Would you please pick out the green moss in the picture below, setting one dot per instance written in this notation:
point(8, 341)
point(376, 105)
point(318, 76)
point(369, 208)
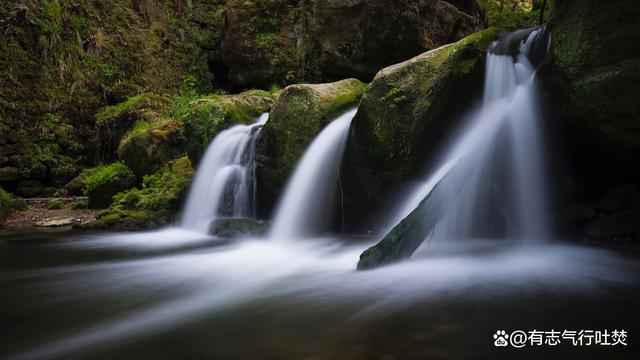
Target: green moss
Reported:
point(298, 115)
point(102, 175)
point(102, 182)
point(79, 204)
point(156, 202)
point(55, 204)
point(5, 205)
point(194, 121)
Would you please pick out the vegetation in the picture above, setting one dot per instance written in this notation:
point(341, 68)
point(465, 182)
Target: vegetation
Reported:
point(5, 205)
point(102, 182)
point(515, 14)
point(155, 202)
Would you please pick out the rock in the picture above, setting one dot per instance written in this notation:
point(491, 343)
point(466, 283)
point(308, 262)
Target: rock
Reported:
point(620, 198)
point(157, 202)
point(146, 149)
point(405, 114)
point(299, 113)
point(235, 227)
point(103, 182)
point(592, 79)
point(55, 222)
point(619, 227)
point(280, 41)
point(29, 188)
point(366, 36)
point(113, 122)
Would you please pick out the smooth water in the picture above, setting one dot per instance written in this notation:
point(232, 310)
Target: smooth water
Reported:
point(139, 296)
point(309, 197)
point(492, 181)
point(227, 168)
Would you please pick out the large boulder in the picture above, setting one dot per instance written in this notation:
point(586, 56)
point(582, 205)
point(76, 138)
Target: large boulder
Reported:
point(150, 145)
point(592, 81)
point(281, 41)
point(405, 114)
point(299, 113)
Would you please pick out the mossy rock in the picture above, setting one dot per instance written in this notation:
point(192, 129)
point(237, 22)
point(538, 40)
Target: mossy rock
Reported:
point(155, 203)
point(405, 115)
point(299, 113)
point(189, 129)
point(103, 182)
point(113, 122)
point(592, 80)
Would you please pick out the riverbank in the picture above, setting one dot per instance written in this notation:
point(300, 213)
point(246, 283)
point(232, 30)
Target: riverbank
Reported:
point(47, 213)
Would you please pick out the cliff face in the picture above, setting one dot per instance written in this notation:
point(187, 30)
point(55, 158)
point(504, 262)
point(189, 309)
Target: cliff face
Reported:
point(62, 62)
point(592, 81)
point(318, 40)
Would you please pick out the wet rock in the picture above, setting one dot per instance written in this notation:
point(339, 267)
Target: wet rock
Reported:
point(405, 114)
point(299, 113)
point(235, 227)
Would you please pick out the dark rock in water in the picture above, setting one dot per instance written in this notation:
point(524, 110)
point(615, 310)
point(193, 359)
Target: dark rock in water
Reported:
point(29, 188)
point(620, 227)
point(620, 198)
point(405, 114)
point(299, 113)
point(405, 237)
point(234, 227)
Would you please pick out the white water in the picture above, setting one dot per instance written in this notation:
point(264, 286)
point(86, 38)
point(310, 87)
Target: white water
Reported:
point(492, 180)
point(228, 167)
point(318, 275)
point(309, 197)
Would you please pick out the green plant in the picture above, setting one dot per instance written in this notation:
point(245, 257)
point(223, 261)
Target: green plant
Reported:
point(55, 204)
point(394, 96)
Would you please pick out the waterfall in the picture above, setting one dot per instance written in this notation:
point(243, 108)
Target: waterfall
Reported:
point(226, 174)
point(491, 182)
point(309, 198)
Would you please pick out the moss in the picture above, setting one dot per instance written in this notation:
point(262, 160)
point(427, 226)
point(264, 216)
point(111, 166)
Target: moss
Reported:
point(194, 121)
point(405, 113)
point(298, 115)
point(102, 182)
point(5, 205)
point(55, 204)
point(156, 202)
point(79, 204)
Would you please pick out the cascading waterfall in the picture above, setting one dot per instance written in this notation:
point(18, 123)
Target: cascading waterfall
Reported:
point(492, 181)
point(227, 170)
point(308, 200)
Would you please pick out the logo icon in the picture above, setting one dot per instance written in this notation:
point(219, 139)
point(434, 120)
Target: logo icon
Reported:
point(500, 338)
